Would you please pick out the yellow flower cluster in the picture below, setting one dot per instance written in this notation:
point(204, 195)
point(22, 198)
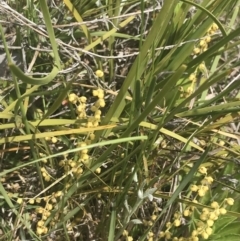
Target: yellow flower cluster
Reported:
point(201, 47)
point(203, 43)
point(46, 211)
point(45, 174)
point(207, 216)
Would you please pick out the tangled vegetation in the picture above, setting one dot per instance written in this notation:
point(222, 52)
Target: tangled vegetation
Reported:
point(119, 120)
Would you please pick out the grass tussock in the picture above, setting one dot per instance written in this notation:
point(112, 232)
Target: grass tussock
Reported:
point(119, 120)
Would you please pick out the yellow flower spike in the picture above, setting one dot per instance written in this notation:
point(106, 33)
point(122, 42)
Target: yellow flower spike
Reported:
point(99, 73)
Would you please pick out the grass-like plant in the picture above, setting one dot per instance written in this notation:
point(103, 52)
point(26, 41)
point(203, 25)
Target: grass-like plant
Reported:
point(123, 122)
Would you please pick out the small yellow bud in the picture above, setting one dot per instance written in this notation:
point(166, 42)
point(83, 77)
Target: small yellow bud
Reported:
point(39, 230)
point(98, 170)
point(201, 192)
point(192, 77)
point(202, 67)
point(208, 230)
point(95, 92)
point(47, 178)
point(177, 223)
point(99, 73)
point(83, 99)
point(72, 97)
point(230, 201)
point(101, 102)
point(186, 213)
point(154, 217)
point(80, 108)
point(204, 235)
point(207, 39)
point(214, 27)
point(223, 211)
point(100, 95)
point(214, 204)
point(210, 222)
point(196, 50)
point(168, 224)
point(94, 108)
point(202, 43)
point(31, 201)
point(54, 140)
point(194, 188)
point(194, 233)
point(161, 234)
point(19, 200)
point(40, 223)
point(202, 170)
point(58, 194)
point(92, 136)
